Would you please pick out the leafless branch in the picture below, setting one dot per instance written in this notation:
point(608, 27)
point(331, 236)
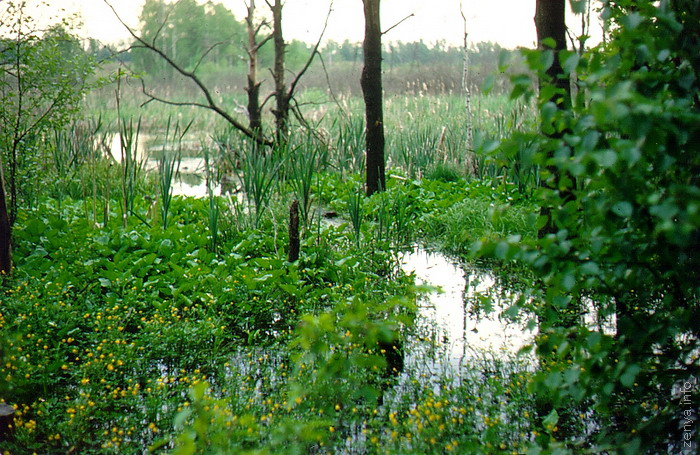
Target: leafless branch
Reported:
point(160, 29)
point(262, 43)
point(292, 86)
point(211, 48)
point(211, 103)
point(152, 97)
point(397, 24)
point(330, 88)
point(267, 98)
point(296, 109)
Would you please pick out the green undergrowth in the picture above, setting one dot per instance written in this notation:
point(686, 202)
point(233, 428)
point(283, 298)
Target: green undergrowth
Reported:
point(121, 338)
point(109, 327)
point(455, 216)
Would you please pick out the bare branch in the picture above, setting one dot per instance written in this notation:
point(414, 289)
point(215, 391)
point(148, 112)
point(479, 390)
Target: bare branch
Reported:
point(262, 43)
point(292, 86)
point(211, 104)
point(162, 25)
point(267, 98)
point(398, 23)
point(261, 25)
point(152, 97)
point(330, 88)
point(211, 48)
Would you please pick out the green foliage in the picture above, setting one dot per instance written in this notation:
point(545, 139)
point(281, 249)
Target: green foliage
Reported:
point(258, 174)
point(109, 327)
point(190, 33)
point(43, 78)
point(623, 192)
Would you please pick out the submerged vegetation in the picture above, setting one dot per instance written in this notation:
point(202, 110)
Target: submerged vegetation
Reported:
point(139, 319)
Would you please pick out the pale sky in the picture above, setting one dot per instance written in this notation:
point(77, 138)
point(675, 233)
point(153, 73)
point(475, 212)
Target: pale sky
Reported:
point(507, 22)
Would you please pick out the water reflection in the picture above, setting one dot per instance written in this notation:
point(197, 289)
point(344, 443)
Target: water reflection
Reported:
point(189, 180)
point(447, 317)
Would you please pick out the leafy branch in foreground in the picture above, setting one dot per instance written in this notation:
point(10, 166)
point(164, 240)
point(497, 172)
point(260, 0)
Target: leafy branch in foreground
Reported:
point(624, 232)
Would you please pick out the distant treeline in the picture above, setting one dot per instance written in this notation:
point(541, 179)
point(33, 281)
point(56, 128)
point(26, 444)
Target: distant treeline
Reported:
point(208, 38)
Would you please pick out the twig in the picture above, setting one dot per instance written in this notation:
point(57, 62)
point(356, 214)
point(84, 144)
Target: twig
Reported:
point(294, 83)
point(330, 88)
point(398, 23)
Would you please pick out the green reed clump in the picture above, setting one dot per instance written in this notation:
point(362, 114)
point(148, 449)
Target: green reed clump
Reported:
point(349, 143)
point(258, 172)
point(168, 165)
point(355, 206)
point(131, 163)
point(302, 164)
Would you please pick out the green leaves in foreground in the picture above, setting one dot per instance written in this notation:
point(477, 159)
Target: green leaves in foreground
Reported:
point(617, 287)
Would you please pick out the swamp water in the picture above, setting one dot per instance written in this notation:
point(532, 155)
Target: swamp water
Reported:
point(446, 316)
point(450, 336)
point(191, 170)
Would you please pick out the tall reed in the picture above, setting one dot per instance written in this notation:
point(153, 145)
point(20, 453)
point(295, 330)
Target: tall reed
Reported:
point(302, 164)
point(258, 173)
point(355, 205)
point(169, 164)
point(213, 211)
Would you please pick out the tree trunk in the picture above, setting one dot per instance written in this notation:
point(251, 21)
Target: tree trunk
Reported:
point(253, 89)
point(281, 111)
point(550, 21)
point(294, 231)
point(5, 231)
point(551, 24)
point(371, 82)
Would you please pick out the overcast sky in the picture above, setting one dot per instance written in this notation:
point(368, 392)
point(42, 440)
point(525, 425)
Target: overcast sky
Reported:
point(507, 22)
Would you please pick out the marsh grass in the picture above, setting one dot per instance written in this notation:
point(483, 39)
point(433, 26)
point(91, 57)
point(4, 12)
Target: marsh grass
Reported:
point(131, 163)
point(355, 207)
point(302, 164)
point(258, 172)
point(169, 164)
point(213, 212)
point(74, 153)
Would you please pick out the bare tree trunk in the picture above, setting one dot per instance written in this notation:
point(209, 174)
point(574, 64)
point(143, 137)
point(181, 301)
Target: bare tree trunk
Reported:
point(551, 24)
point(282, 98)
point(294, 231)
point(371, 82)
point(550, 21)
point(253, 89)
point(5, 230)
point(472, 165)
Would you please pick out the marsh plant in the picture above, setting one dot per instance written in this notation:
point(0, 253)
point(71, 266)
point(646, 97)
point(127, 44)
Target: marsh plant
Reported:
point(258, 172)
point(131, 163)
point(213, 212)
point(169, 164)
point(349, 144)
point(355, 206)
point(75, 150)
point(303, 163)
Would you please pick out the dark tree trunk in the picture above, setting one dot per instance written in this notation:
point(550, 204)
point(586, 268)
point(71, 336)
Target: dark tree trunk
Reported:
point(551, 24)
point(253, 89)
point(550, 21)
point(371, 82)
point(5, 231)
point(7, 415)
point(294, 231)
point(281, 110)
